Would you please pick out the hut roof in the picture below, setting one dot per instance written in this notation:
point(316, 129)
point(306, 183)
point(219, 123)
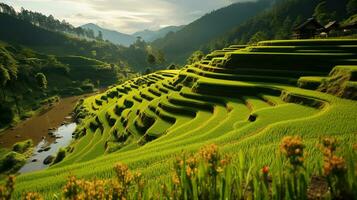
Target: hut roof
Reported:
point(311, 22)
point(331, 25)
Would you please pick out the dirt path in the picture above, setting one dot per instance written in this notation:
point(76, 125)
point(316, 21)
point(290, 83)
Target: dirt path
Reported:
point(37, 126)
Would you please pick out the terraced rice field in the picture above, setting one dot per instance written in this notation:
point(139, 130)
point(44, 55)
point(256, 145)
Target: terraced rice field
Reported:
point(240, 98)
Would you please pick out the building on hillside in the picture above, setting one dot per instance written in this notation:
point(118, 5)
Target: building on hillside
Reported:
point(308, 29)
point(350, 27)
point(332, 26)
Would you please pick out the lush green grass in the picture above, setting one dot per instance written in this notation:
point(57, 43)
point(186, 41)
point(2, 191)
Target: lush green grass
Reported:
point(150, 119)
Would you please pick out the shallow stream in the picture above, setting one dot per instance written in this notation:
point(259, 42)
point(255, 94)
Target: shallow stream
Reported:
point(44, 149)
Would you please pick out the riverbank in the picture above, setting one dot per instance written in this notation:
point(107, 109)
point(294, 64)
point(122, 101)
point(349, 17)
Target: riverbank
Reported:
point(38, 126)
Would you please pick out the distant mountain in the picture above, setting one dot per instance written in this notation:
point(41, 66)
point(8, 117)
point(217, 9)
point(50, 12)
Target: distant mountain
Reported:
point(126, 39)
point(149, 35)
point(178, 46)
point(111, 35)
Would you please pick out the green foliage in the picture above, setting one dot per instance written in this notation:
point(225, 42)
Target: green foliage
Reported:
point(4, 75)
point(55, 40)
point(173, 66)
point(322, 14)
point(41, 80)
point(12, 162)
point(210, 175)
point(22, 147)
point(278, 21)
point(338, 82)
point(195, 57)
point(178, 46)
point(236, 98)
point(257, 37)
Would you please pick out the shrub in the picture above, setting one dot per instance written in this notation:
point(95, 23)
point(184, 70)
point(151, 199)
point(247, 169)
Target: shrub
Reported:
point(173, 66)
point(61, 154)
point(12, 162)
point(22, 147)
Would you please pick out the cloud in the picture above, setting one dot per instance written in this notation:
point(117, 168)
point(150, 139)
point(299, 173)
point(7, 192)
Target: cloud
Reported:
point(124, 15)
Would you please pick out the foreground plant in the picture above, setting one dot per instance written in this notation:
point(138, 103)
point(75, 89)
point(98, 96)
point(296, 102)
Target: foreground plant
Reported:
point(291, 180)
point(200, 176)
point(119, 188)
point(210, 175)
point(7, 190)
point(335, 170)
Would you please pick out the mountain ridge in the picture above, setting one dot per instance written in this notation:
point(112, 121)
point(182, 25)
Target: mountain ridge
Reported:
point(124, 39)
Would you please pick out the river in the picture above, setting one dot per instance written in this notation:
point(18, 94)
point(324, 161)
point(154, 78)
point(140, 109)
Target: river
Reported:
point(64, 137)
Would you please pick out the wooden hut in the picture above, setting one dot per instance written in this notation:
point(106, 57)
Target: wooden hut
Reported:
point(308, 29)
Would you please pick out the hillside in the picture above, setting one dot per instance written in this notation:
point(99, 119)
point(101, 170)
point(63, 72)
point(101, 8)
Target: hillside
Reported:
point(113, 36)
point(21, 93)
point(244, 99)
point(23, 33)
point(178, 46)
point(279, 22)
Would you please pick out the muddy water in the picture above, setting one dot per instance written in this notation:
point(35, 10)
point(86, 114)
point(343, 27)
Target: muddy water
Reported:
point(64, 137)
point(37, 127)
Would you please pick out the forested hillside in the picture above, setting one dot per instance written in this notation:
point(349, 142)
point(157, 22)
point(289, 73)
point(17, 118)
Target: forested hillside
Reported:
point(250, 23)
point(178, 46)
point(40, 60)
point(29, 79)
point(279, 21)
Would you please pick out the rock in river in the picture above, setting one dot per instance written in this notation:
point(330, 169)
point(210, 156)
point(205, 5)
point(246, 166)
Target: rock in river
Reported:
point(48, 160)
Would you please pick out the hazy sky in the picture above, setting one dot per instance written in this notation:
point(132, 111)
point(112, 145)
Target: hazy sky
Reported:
point(125, 16)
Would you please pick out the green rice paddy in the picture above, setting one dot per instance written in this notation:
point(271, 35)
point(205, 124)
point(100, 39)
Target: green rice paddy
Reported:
point(240, 98)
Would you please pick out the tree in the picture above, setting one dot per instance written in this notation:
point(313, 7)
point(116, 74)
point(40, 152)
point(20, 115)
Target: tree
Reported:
point(100, 35)
point(161, 57)
point(195, 57)
point(285, 30)
point(151, 59)
point(4, 78)
point(172, 66)
point(322, 14)
point(351, 7)
point(41, 80)
point(257, 37)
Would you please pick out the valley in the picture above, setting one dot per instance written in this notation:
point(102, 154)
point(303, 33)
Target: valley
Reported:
point(253, 100)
